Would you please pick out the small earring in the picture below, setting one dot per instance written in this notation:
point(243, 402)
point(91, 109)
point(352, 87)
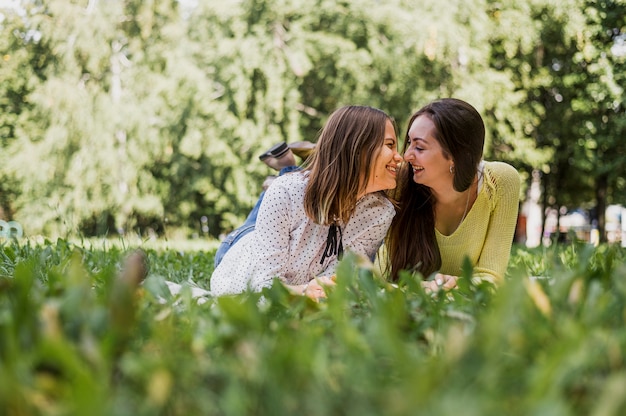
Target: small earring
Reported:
point(452, 169)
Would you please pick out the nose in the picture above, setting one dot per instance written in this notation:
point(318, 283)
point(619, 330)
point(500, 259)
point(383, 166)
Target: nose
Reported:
point(408, 155)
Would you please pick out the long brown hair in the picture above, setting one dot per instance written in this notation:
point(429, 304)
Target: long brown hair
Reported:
point(411, 241)
point(339, 168)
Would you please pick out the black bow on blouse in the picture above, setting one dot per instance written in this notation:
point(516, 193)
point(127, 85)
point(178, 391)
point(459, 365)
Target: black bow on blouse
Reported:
point(334, 245)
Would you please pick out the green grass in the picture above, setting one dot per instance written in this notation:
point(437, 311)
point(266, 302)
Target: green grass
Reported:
point(75, 341)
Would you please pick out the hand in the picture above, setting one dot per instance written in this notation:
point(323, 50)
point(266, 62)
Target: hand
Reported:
point(440, 282)
point(315, 289)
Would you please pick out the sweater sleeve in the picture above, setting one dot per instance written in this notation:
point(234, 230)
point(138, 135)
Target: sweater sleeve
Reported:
point(503, 181)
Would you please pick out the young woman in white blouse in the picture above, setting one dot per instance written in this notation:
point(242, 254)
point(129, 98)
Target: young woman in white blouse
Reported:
point(309, 217)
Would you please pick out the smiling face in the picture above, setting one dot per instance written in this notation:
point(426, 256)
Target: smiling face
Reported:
point(425, 154)
point(383, 168)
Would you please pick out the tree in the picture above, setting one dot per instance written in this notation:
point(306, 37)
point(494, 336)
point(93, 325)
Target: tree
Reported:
point(24, 59)
point(601, 103)
point(142, 116)
point(91, 145)
point(282, 67)
point(571, 83)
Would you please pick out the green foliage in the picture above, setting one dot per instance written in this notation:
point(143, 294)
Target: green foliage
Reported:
point(568, 67)
point(144, 117)
point(75, 341)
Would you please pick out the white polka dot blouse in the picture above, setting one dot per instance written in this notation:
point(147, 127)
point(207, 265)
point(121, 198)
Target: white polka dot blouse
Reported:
point(288, 245)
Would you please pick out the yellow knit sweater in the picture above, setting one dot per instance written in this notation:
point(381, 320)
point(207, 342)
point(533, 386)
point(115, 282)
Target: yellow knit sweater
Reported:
point(486, 233)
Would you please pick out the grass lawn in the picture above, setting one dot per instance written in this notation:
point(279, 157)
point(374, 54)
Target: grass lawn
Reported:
point(74, 340)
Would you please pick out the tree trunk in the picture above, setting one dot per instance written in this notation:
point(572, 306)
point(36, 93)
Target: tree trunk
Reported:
point(6, 213)
point(544, 203)
point(601, 191)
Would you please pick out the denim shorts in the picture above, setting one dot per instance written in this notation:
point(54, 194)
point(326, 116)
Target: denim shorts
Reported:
point(231, 239)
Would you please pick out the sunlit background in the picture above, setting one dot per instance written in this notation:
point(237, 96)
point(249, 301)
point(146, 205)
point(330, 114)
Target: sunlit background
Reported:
point(146, 119)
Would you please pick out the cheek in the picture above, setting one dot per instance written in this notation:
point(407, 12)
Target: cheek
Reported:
point(380, 171)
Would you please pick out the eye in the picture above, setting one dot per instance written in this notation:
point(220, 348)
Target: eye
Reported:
point(415, 145)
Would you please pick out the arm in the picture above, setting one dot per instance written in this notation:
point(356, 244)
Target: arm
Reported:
point(270, 248)
point(496, 251)
point(314, 289)
point(492, 250)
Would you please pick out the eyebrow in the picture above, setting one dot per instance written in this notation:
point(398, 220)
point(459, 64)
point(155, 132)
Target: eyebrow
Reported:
point(414, 139)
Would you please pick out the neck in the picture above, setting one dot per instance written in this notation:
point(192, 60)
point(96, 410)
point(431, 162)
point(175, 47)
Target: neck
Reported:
point(451, 207)
point(447, 195)
point(363, 193)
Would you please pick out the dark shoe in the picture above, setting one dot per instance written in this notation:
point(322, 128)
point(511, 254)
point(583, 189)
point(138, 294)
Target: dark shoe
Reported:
point(278, 157)
point(275, 151)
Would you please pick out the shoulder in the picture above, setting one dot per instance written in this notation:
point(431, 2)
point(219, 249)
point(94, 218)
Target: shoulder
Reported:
point(294, 179)
point(372, 216)
point(289, 183)
point(501, 184)
point(502, 168)
point(376, 203)
point(501, 174)
point(378, 199)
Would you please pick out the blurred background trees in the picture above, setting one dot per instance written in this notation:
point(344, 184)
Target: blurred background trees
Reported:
point(148, 116)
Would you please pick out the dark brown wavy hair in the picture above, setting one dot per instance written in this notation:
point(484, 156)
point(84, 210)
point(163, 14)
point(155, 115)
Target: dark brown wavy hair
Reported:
point(411, 241)
point(338, 170)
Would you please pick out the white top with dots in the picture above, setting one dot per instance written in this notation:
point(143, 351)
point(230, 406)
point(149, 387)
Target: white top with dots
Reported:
point(288, 245)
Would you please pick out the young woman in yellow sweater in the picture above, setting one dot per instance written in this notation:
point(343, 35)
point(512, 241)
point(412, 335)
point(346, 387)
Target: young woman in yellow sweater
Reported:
point(451, 203)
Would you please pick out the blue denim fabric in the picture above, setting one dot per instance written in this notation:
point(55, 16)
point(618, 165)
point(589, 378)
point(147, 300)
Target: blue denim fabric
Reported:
point(247, 226)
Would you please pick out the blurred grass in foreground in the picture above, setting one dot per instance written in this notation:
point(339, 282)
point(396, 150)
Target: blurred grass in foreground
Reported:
point(73, 341)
